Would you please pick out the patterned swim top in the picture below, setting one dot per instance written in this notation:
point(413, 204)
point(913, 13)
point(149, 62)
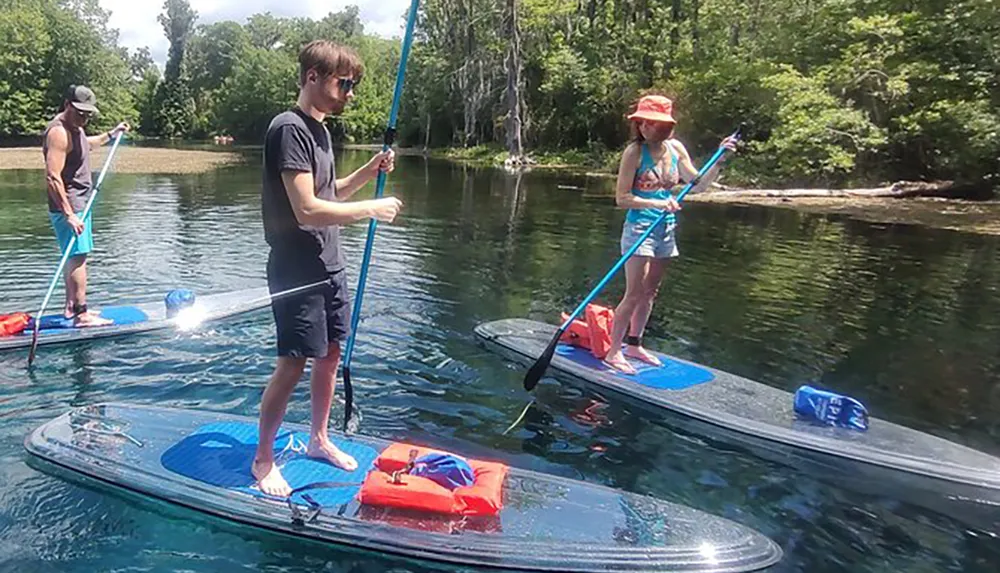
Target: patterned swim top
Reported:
point(649, 183)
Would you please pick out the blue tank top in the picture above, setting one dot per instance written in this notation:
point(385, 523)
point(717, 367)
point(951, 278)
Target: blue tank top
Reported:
point(649, 183)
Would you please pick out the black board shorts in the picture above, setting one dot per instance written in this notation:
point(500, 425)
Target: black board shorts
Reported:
point(308, 322)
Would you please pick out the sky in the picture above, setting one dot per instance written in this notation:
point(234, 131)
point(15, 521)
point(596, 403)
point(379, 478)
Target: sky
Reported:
point(137, 25)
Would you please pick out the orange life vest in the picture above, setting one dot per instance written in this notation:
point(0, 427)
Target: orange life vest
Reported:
point(484, 497)
point(11, 324)
point(592, 333)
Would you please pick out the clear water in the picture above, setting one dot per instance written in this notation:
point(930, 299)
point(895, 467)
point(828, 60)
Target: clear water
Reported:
point(904, 317)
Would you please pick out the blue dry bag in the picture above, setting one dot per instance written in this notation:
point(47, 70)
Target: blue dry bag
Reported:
point(178, 299)
point(445, 470)
point(829, 408)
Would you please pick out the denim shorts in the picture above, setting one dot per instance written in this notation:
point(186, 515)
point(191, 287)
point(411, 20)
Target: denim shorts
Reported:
point(660, 244)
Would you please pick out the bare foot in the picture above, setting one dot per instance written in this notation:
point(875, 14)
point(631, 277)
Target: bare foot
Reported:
point(269, 479)
point(325, 450)
point(617, 361)
point(642, 354)
point(88, 318)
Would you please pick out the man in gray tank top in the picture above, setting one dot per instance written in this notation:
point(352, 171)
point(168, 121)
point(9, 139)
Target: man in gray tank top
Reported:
point(66, 149)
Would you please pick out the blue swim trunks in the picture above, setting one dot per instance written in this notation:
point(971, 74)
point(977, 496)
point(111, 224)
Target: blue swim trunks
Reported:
point(64, 233)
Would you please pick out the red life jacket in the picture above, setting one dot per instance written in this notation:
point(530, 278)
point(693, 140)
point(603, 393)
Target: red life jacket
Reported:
point(592, 333)
point(11, 324)
point(484, 497)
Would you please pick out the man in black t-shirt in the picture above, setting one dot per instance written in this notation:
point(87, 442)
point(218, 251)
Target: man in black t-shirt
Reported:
point(302, 206)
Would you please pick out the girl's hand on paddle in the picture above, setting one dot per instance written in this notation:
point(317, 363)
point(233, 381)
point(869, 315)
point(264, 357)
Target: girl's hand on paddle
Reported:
point(729, 143)
point(384, 161)
point(670, 205)
point(75, 222)
point(386, 209)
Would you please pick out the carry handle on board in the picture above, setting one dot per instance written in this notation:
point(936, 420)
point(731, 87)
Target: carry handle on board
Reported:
point(538, 369)
point(302, 518)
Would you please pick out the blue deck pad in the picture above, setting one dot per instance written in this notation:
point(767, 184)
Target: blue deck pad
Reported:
point(120, 315)
point(673, 375)
point(220, 454)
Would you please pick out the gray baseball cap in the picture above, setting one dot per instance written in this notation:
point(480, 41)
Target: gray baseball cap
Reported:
point(82, 98)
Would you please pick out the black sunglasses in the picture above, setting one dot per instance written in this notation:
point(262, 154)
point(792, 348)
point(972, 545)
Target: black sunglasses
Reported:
point(347, 84)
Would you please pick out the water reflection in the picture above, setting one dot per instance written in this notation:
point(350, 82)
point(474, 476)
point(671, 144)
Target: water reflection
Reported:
point(903, 317)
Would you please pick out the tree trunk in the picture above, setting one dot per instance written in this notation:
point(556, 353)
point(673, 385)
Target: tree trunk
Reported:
point(467, 80)
point(427, 134)
point(513, 120)
point(466, 87)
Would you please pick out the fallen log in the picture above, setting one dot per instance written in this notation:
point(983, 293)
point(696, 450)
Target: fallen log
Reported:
point(900, 189)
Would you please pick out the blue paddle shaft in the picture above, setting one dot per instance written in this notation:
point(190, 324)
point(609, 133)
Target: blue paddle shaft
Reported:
point(635, 246)
point(72, 241)
point(390, 134)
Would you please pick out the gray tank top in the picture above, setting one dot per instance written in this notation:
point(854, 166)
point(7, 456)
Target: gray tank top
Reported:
point(76, 173)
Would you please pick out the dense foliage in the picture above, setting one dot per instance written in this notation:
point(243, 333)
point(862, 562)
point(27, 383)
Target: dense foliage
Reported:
point(833, 91)
point(44, 47)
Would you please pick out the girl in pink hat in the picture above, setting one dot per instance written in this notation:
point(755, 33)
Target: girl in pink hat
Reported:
point(651, 166)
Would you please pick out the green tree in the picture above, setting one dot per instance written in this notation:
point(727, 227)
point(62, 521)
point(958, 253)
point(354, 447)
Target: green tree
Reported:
point(213, 52)
point(266, 32)
point(815, 136)
point(25, 42)
point(177, 20)
point(140, 63)
point(263, 84)
point(174, 114)
point(835, 92)
point(145, 100)
point(364, 120)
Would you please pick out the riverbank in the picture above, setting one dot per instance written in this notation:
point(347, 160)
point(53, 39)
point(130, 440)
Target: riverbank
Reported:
point(956, 214)
point(597, 163)
point(130, 159)
point(982, 217)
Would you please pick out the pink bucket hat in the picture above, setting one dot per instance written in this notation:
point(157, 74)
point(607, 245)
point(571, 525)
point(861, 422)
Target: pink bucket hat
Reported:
point(654, 108)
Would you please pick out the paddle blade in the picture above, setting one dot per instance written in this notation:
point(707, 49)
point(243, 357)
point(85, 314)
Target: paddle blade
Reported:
point(348, 398)
point(538, 369)
point(34, 345)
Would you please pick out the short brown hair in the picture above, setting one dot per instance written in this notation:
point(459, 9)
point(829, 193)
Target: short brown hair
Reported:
point(328, 58)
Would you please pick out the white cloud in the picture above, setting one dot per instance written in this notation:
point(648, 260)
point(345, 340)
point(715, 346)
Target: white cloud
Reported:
point(137, 25)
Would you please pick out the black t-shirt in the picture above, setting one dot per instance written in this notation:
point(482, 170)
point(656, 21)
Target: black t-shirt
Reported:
point(297, 142)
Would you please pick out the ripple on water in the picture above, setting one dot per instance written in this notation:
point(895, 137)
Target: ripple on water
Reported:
point(900, 317)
